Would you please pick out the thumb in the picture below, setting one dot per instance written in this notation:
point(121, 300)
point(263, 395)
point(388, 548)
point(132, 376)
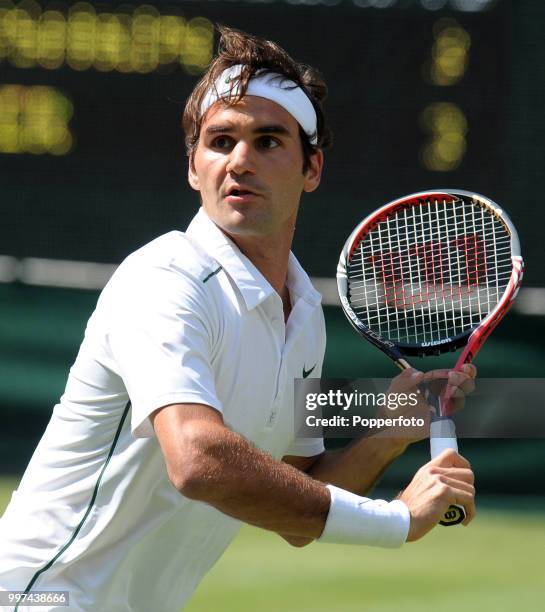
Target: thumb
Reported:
point(450, 458)
point(407, 379)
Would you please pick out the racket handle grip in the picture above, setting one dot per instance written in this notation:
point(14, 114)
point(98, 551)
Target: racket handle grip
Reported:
point(443, 436)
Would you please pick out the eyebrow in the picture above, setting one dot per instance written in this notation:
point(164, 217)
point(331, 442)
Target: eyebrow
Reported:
point(264, 129)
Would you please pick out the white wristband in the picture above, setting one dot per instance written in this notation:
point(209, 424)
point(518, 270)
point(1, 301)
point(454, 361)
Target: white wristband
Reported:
point(358, 520)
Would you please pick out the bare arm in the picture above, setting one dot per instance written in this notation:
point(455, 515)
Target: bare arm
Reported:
point(355, 468)
point(206, 461)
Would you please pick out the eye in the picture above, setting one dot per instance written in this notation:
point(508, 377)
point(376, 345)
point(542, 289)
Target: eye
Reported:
point(268, 142)
point(222, 142)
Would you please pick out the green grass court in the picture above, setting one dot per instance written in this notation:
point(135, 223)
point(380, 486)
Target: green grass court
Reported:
point(496, 564)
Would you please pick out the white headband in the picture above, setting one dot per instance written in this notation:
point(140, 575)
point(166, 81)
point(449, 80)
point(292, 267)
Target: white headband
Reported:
point(270, 85)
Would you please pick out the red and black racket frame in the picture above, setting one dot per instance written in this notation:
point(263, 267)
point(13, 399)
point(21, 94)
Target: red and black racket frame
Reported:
point(472, 339)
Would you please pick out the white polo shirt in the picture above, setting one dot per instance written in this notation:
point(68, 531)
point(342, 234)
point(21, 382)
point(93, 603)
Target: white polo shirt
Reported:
point(187, 318)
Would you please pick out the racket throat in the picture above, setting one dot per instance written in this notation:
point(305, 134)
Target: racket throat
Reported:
point(438, 405)
point(402, 364)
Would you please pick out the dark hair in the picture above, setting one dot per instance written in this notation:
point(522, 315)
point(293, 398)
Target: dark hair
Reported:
point(256, 54)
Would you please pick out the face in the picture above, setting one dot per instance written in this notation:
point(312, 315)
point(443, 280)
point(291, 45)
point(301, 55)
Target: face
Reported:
point(248, 167)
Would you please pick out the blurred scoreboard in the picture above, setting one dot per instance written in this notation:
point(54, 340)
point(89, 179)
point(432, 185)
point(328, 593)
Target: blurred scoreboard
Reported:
point(423, 94)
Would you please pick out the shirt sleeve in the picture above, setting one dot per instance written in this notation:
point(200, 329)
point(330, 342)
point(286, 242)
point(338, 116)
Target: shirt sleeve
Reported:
point(161, 337)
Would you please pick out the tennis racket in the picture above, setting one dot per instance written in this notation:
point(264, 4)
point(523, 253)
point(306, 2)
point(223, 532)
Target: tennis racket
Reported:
point(428, 273)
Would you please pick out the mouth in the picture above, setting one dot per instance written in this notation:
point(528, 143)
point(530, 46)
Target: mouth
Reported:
point(239, 193)
point(238, 190)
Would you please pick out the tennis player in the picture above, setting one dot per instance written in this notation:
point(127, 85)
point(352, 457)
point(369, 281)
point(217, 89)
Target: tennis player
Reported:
point(176, 425)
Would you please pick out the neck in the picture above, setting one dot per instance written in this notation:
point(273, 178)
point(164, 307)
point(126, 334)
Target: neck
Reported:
point(270, 255)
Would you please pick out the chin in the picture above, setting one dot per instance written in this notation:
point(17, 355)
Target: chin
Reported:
point(243, 222)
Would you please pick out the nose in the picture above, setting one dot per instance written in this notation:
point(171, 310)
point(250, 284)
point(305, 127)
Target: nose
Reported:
point(241, 159)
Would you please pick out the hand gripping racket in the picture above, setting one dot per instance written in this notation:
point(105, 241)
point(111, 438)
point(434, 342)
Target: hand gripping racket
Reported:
point(429, 273)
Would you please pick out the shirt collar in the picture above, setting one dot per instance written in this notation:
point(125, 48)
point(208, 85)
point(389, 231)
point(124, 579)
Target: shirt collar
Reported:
point(299, 283)
point(253, 286)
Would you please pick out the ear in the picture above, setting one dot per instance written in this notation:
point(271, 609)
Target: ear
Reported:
point(314, 172)
point(192, 177)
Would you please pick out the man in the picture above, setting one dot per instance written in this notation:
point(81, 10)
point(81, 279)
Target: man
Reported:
point(176, 423)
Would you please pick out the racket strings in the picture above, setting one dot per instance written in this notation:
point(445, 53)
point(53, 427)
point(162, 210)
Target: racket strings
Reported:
point(430, 271)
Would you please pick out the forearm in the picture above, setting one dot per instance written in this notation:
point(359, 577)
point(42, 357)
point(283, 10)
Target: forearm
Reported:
point(357, 467)
point(242, 481)
point(206, 461)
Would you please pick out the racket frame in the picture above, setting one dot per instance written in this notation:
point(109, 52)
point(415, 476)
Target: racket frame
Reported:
point(442, 427)
point(472, 339)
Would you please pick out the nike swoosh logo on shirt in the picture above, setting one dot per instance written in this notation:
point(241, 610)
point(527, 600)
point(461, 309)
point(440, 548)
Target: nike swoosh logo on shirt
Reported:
point(308, 372)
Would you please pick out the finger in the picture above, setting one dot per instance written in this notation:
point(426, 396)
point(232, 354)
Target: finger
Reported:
point(468, 505)
point(458, 485)
point(469, 517)
point(450, 458)
point(465, 475)
point(469, 369)
point(454, 393)
point(459, 386)
point(456, 377)
point(408, 379)
point(435, 374)
point(416, 377)
point(459, 392)
point(467, 500)
point(463, 495)
point(468, 386)
point(461, 380)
